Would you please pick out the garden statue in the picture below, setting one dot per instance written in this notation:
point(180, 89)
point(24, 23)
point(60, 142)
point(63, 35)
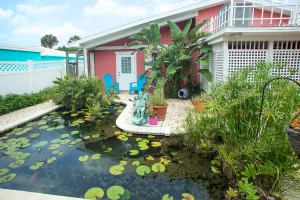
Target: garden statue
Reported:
point(139, 112)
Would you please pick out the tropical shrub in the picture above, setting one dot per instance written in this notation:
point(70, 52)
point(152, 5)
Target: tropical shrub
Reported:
point(75, 93)
point(173, 64)
point(228, 126)
point(158, 98)
point(12, 102)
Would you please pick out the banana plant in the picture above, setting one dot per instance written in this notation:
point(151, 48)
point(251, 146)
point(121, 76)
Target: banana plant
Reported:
point(178, 55)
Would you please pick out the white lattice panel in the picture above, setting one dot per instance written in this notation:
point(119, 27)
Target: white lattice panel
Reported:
point(241, 59)
point(290, 61)
point(48, 65)
point(217, 66)
point(13, 66)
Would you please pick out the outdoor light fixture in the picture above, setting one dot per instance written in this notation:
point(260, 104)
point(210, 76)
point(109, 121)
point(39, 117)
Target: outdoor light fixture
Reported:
point(236, 35)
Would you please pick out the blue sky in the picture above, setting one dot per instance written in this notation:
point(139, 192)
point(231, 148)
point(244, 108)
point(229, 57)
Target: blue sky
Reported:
point(23, 22)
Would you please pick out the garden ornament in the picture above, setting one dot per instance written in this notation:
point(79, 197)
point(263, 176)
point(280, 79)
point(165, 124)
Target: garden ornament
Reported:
point(139, 112)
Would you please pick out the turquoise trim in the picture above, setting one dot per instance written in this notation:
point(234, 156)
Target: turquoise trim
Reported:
point(16, 55)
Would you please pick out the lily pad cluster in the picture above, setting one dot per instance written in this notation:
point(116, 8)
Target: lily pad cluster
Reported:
point(123, 136)
point(6, 178)
point(12, 145)
point(114, 193)
point(118, 169)
point(37, 165)
point(143, 145)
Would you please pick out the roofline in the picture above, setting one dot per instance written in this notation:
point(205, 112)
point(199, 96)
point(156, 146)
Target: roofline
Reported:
point(144, 22)
point(19, 48)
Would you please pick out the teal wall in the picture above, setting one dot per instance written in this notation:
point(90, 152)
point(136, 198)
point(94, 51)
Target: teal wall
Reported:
point(13, 55)
point(16, 55)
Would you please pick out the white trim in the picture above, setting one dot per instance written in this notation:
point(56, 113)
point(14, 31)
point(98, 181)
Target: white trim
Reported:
point(19, 48)
point(124, 53)
point(119, 47)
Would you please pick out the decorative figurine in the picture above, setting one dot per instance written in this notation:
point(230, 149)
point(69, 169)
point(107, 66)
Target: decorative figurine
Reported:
point(139, 112)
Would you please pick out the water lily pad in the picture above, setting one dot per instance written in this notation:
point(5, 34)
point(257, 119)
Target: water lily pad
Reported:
point(44, 127)
point(39, 163)
point(74, 132)
point(60, 127)
point(83, 158)
point(158, 167)
point(42, 122)
point(24, 145)
point(17, 129)
point(20, 133)
point(151, 136)
point(143, 170)
point(95, 136)
point(34, 167)
point(115, 192)
point(87, 137)
point(53, 113)
point(8, 178)
point(136, 163)
point(66, 112)
point(51, 160)
point(139, 139)
point(53, 146)
point(60, 153)
point(22, 156)
point(167, 197)
point(116, 170)
point(133, 152)
point(129, 134)
point(155, 144)
point(108, 150)
point(94, 193)
point(55, 152)
point(74, 114)
point(64, 141)
point(78, 140)
point(57, 140)
point(123, 162)
point(3, 171)
point(187, 196)
point(65, 135)
point(50, 129)
point(34, 135)
point(16, 164)
point(96, 156)
point(73, 143)
point(42, 143)
point(11, 140)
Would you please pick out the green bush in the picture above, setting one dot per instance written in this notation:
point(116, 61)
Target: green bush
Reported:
point(12, 102)
point(75, 93)
point(228, 127)
point(158, 98)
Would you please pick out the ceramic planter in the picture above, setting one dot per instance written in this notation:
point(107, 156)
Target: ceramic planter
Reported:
point(153, 120)
point(160, 111)
point(294, 138)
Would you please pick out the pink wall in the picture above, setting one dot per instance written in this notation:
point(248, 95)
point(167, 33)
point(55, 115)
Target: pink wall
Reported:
point(207, 13)
point(105, 62)
point(267, 14)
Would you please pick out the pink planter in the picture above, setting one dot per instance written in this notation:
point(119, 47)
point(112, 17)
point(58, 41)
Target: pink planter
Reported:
point(153, 120)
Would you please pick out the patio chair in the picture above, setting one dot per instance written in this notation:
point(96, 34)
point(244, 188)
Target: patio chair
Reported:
point(139, 85)
point(110, 84)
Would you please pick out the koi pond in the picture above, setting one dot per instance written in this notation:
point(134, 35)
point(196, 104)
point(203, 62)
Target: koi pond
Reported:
point(69, 154)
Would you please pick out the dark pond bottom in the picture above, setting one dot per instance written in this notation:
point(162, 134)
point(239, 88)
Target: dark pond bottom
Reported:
point(65, 154)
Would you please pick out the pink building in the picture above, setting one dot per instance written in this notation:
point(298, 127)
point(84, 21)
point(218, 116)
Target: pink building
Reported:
point(243, 32)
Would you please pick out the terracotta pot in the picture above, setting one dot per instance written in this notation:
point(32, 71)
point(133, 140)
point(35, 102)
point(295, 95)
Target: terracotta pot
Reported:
point(160, 111)
point(199, 105)
point(153, 120)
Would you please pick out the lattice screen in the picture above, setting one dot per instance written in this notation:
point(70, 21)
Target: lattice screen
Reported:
point(217, 66)
point(290, 60)
point(48, 65)
point(13, 67)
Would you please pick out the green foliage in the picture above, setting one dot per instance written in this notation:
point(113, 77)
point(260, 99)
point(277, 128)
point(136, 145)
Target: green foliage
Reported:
point(158, 98)
point(74, 38)
point(75, 93)
point(66, 49)
point(12, 102)
point(248, 189)
point(49, 41)
point(228, 125)
point(173, 65)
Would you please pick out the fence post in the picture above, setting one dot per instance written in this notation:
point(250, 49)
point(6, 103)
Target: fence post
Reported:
point(30, 70)
point(271, 51)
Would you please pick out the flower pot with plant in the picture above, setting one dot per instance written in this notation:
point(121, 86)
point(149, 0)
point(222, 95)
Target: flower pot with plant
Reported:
point(199, 101)
point(159, 104)
point(153, 120)
point(293, 131)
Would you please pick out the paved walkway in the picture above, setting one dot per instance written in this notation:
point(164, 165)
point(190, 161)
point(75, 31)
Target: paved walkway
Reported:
point(22, 195)
point(19, 117)
point(176, 114)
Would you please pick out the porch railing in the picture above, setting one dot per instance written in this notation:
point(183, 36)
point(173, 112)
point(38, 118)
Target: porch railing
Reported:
point(249, 13)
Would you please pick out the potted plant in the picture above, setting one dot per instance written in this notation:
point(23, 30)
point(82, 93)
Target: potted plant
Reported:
point(199, 101)
point(158, 102)
point(153, 120)
point(293, 131)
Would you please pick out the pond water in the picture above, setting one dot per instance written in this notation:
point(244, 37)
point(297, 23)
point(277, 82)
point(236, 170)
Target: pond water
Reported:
point(67, 154)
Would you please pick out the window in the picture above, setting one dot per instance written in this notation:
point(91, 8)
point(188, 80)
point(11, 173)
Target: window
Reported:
point(126, 65)
point(241, 13)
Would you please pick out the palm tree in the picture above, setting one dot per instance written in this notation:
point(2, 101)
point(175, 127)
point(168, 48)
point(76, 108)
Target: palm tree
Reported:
point(74, 38)
point(49, 41)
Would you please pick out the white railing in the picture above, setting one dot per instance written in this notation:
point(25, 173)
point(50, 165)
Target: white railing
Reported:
point(27, 77)
point(250, 13)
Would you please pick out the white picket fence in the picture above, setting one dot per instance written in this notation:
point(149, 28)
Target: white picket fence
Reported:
point(28, 77)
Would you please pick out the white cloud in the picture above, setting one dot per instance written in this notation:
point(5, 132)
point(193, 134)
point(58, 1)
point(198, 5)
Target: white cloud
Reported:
point(19, 20)
point(66, 30)
point(165, 6)
point(6, 13)
point(40, 10)
point(103, 7)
